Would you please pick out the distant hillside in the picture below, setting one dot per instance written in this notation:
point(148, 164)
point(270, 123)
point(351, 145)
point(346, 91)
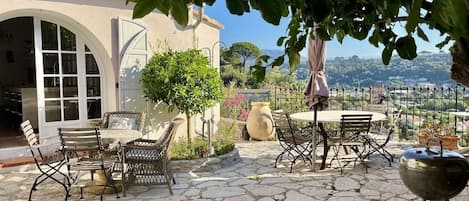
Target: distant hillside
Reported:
point(426, 68)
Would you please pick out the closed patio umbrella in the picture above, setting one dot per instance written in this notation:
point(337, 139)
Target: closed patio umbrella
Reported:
point(316, 92)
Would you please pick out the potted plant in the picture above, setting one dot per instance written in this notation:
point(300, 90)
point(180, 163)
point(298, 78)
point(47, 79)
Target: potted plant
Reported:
point(184, 81)
point(444, 131)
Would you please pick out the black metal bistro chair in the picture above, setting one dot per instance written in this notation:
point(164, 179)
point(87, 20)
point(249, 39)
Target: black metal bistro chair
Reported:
point(352, 127)
point(75, 142)
point(377, 140)
point(296, 142)
point(48, 164)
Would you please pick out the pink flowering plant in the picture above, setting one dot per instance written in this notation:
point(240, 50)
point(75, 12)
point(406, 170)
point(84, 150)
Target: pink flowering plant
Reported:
point(235, 107)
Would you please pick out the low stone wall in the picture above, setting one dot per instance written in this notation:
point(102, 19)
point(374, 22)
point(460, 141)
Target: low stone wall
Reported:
point(206, 164)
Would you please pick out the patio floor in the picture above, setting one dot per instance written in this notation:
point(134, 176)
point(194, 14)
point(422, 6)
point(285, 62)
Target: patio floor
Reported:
point(254, 178)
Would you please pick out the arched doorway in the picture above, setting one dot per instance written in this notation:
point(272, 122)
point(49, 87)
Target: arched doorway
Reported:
point(60, 85)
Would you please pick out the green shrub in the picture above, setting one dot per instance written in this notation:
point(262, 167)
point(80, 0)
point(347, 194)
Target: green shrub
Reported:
point(199, 148)
point(182, 150)
point(223, 146)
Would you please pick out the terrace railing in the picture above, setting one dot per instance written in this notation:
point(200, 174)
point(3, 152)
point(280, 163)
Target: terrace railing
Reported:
point(417, 103)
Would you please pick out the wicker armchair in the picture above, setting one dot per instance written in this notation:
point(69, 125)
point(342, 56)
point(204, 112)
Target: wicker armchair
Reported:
point(123, 120)
point(147, 161)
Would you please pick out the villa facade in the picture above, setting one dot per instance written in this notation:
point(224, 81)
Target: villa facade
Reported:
point(64, 63)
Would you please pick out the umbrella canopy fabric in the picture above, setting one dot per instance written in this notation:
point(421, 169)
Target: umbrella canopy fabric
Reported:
point(316, 92)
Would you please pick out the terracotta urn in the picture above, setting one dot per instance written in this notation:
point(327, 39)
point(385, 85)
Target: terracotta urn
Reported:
point(259, 122)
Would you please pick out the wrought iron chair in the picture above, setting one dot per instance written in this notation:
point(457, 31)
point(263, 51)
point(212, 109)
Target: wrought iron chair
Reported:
point(351, 129)
point(377, 141)
point(75, 142)
point(123, 120)
point(48, 164)
point(147, 161)
point(296, 143)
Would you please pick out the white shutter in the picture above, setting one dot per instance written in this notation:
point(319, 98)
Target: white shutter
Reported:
point(133, 52)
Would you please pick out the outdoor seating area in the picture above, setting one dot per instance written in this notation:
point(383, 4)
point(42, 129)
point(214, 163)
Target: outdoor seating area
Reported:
point(253, 178)
point(89, 158)
point(354, 100)
point(112, 161)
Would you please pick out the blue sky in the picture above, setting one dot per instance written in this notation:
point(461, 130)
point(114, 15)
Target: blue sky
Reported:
point(252, 28)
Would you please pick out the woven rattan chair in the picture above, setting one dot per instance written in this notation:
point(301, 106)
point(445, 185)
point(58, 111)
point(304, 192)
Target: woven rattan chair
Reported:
point(123, 120)
point(352, 127)
point(147, 161)
point(75, 142)
point(48, 164)
point(296, 142)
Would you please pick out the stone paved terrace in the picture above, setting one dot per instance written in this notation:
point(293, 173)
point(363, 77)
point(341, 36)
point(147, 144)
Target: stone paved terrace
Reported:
point(254, 178)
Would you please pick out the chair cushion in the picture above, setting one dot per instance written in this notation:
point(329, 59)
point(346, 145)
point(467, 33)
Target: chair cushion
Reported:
point(123, 123)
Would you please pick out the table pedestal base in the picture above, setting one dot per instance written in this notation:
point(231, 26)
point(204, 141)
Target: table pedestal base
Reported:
point(91, 187)
point(99, 184)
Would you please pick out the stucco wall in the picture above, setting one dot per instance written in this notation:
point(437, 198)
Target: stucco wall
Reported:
point(96, 22)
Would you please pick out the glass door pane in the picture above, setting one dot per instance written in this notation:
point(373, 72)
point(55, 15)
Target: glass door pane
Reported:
point(61, 73)
point(93, 86)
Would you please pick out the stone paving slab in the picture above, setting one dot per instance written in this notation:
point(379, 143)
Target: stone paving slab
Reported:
point(253, 178)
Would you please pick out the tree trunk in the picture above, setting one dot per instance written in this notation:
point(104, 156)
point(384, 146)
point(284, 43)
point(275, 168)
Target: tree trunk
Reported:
point(460, 67)
point(189, 128)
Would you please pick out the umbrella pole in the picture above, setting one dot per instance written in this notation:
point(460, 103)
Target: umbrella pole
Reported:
point(313, 156)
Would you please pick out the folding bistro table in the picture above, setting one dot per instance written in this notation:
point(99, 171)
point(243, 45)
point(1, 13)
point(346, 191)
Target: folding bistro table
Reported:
point(330, 116)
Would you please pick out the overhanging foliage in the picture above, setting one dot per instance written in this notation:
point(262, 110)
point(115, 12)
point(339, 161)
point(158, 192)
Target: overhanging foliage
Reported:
point(360, 19)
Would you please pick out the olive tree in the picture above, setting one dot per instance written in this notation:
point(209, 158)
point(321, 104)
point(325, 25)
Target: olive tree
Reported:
point(183, 80)
point(360, 19)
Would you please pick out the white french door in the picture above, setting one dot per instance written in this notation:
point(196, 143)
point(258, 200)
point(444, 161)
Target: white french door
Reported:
point(67, 76)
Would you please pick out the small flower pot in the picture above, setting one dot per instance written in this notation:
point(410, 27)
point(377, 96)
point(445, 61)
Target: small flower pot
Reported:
point(449, 142)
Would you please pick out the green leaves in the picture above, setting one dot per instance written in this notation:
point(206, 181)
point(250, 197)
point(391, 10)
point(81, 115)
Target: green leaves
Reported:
point(422, 34)
point(273, 10)
point(321, 9)
point(237, 7)
point(143, 7)
point(178, 8)
point(258, 72)
point(414, 16)
point(451, 16)
point(339, 18)
point(280, 41)
point(387, 54)
point(278, 61)
point(406, 47)
point(293, 59)
point(182, 80)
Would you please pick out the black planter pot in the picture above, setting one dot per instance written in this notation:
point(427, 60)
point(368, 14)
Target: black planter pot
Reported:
point(432, 173)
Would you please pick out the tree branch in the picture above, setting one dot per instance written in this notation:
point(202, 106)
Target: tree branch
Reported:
point(404, 18)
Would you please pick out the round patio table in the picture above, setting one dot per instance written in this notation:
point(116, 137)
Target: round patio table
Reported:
point(111, 138)
point(330, 116)
point(114, 136)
